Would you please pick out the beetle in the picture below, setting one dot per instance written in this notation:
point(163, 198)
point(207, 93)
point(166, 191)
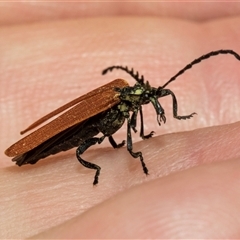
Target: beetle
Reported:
point(103, 110)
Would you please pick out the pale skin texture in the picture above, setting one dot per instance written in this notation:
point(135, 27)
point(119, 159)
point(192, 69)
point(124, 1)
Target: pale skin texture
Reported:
point(193, 189)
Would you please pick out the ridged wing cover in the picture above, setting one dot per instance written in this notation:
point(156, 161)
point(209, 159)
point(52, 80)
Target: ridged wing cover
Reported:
point(82, 108)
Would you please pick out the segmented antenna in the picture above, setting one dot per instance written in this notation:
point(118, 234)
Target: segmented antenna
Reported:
point(198, 60)
point(131, 72)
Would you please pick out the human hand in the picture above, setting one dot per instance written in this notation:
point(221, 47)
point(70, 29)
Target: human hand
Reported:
point(193, 187)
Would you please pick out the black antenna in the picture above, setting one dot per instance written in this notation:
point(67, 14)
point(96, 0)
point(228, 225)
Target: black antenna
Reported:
point(198, 60)
point(131, 72)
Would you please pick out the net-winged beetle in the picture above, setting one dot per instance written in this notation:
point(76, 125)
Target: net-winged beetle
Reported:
point(103, 110)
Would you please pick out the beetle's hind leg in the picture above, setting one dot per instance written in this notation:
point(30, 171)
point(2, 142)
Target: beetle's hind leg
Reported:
point(82, 148)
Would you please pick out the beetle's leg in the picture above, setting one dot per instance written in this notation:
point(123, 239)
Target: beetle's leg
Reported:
point(175, 105)
point(82, 148)
point(142, 127)
point(114, 144)
point(129, 147)
point(133, 121)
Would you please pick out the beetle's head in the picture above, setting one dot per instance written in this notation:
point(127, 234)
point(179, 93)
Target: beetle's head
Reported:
point(151, 94)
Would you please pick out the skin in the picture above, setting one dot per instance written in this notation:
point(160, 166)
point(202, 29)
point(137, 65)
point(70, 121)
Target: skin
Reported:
point(193, 187)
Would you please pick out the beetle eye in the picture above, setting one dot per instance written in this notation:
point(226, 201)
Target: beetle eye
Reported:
point(146, 95)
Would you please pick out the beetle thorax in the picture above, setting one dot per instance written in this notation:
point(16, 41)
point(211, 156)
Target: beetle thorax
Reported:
point(137, 95)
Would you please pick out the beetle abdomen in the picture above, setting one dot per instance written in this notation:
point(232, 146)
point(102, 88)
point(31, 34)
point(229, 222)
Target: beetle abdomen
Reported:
point(63, 141)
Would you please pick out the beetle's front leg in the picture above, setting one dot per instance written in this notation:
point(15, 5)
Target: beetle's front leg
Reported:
point(175, 105)
point(142, 127)
point(133, 124)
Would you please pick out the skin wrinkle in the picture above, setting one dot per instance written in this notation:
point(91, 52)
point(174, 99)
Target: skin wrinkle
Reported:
point(179, 205)
point(26, 12)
